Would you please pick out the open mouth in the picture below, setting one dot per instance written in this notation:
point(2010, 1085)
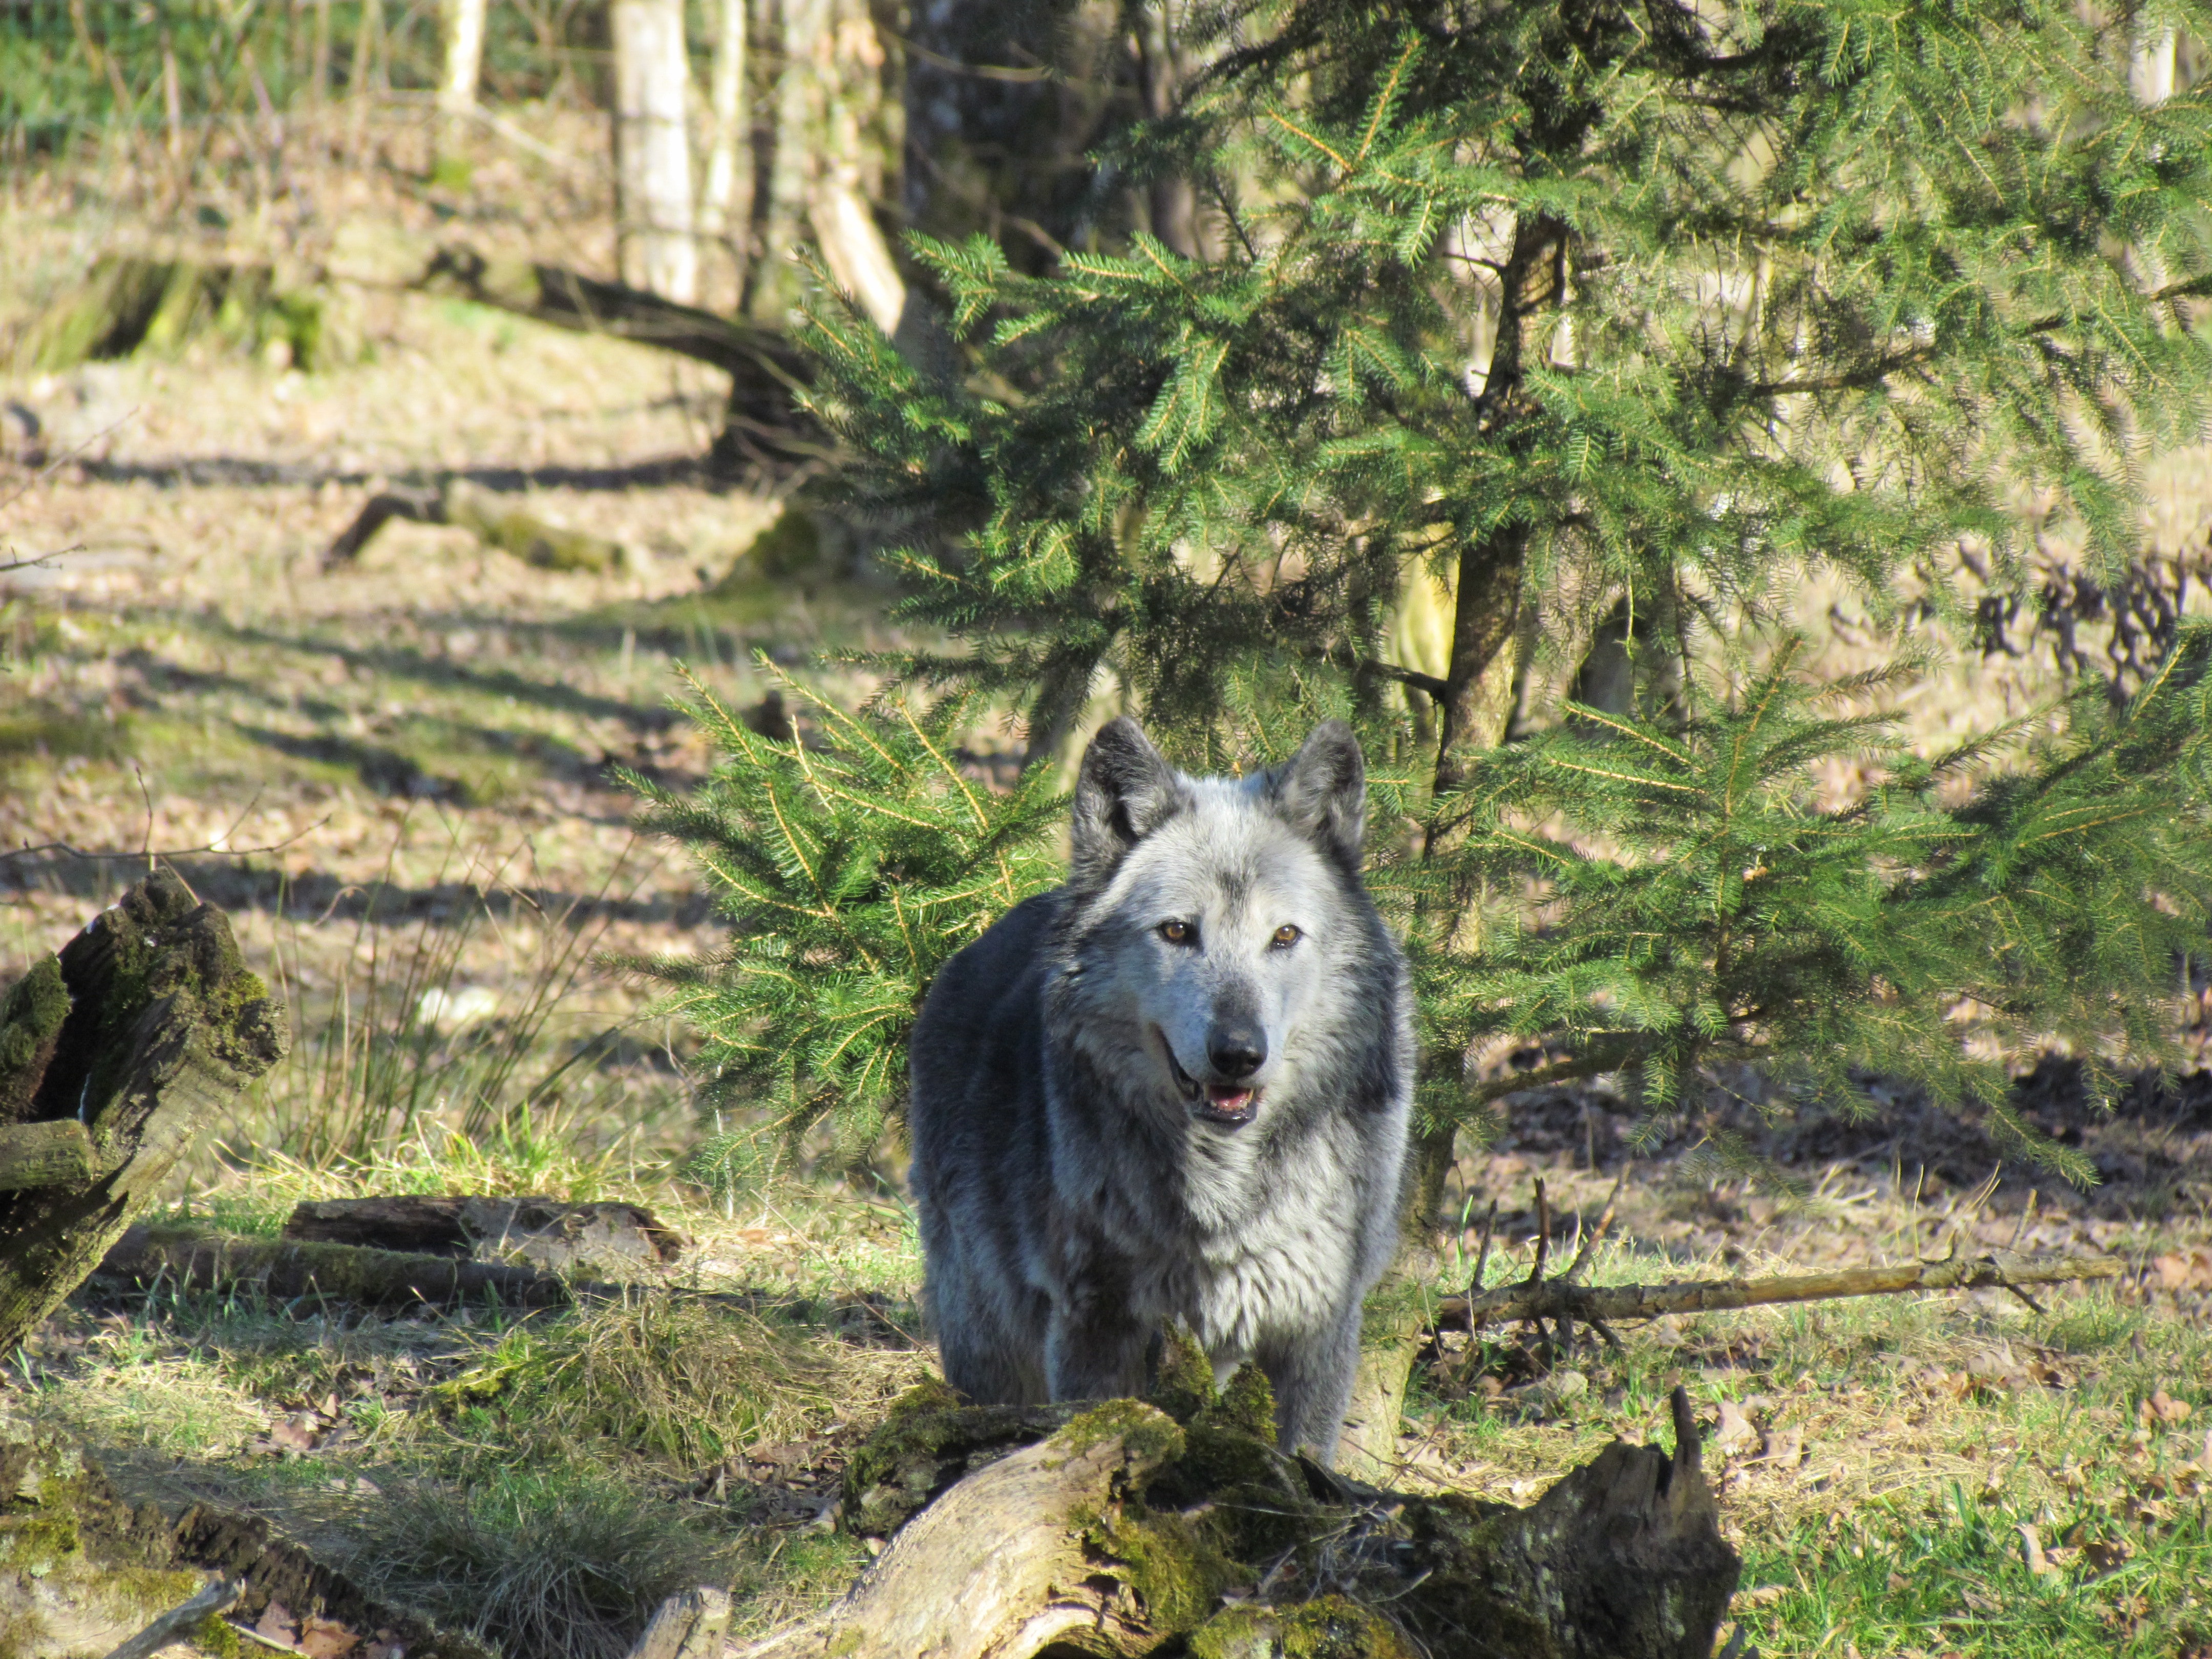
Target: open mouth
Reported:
point(1228, 1104)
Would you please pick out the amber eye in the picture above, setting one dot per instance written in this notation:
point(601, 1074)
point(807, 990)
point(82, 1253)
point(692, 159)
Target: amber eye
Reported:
point(1177, 933)
point(1286, 936)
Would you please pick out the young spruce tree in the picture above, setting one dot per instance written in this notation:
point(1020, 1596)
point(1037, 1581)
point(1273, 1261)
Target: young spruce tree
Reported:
point(1585, 312)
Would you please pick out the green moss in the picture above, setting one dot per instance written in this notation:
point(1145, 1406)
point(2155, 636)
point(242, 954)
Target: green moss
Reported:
point(1247, 1405)
point(792, 546)
point(1183, 1385)
point(1328, 1627)
point(1175, 1563)
point(36, 1544)
point(31, 1018)
point(1150, 1436)
point(213, 1636)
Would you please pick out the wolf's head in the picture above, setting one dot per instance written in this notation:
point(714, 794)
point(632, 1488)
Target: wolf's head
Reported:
point(1221, 920)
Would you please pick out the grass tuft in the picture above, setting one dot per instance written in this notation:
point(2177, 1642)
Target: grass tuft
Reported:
point(562, 1564)
point(676, 1379)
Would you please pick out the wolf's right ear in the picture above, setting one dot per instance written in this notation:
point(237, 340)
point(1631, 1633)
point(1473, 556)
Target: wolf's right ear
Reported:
point(1126, 791)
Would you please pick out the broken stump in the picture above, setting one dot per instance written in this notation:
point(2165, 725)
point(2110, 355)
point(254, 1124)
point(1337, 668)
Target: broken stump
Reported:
point(1119, 1529)
point(113, 1055)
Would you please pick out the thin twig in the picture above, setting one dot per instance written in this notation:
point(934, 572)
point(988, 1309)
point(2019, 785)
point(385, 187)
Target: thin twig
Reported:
point(1482, 1254)
point(1543, 1234)
point(1604, 1223)
point(208, 852)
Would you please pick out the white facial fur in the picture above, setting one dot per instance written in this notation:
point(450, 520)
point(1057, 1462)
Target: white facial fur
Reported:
point(1235, 872)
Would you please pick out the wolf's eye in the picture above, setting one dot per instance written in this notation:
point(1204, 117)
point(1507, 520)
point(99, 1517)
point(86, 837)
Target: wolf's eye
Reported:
point(1177, 933)
point(1286, 936)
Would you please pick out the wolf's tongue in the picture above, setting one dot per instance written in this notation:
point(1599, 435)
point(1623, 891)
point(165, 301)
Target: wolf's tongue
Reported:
point(1222, 1094)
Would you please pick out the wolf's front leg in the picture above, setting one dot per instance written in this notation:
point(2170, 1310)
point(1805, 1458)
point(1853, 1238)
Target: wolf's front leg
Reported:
point(1094, 1350)
point(1311, 1375)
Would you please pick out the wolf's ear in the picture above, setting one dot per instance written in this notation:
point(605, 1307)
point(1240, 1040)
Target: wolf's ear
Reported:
point(1323, 791)
point(1125, 792)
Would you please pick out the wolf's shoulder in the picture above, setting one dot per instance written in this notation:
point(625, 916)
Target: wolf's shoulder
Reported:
point(983, 1002)
point(1008, 950)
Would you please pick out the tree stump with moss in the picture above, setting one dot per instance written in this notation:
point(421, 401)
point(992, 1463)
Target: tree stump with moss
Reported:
point(1125, 1528)
point(113, 1055)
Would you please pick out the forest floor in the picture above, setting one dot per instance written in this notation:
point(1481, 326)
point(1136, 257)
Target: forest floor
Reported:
point(394, 776)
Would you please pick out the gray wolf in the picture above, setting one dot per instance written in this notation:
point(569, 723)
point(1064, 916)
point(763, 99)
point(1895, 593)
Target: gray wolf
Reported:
point(1174, 1090)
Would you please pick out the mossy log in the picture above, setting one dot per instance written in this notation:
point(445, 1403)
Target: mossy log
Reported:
point(533, 1231)
point(156, 1024)
point(127, 303)
point(86, 1564)
point(535, 541)
point(1124, 1529)
point(286, 1269)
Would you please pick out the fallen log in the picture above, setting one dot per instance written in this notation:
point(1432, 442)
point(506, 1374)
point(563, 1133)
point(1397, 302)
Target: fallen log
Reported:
point(86, 1565)
point(1124, 1531)
point(540, 1232)
point(536, 542)
point(285, 1269)
point(146, 1023)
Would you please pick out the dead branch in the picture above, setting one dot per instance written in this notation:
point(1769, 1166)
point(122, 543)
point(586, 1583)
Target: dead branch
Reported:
point(1595, 1305)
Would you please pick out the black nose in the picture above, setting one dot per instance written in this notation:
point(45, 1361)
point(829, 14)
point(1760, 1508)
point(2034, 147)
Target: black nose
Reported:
point(1236, 1050)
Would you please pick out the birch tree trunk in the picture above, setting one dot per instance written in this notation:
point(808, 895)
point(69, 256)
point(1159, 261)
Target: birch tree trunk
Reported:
point(726, 203)
point(653, 154)
point(457, 89)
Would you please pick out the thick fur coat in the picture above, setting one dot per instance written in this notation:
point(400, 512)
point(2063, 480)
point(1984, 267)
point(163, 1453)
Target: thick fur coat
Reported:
point(1175, 1090)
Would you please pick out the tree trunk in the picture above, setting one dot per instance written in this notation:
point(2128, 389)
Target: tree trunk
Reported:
point(726, 204)
point(1125, 1531)
point(653, 152)
point(1172, 202)
point(158, 1025)
point(464, 21)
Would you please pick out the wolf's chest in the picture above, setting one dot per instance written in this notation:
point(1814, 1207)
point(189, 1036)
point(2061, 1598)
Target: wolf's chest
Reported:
point(1283, 1274)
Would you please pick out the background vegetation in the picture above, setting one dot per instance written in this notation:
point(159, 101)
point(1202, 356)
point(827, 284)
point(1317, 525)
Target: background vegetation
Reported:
point(1088, 511)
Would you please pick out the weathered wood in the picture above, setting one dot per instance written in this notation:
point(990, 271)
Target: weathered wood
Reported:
point(542, 1232)
point(164, 1025)
point(1129, 1530)
point(1602, 1304)
point(691, 1625)
point(88, 1564)
point(342, 1273)
point(45, 1154)
point(535, 541)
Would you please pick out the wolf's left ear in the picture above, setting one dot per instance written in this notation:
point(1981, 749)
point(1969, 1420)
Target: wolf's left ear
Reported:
point(1323, 791)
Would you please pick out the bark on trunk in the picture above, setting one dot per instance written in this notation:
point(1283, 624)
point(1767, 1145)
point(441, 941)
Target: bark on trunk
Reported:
point(652, 151)
point(1123, 1530)
point(158, 1025)
point(464, 22)
point(726, 201)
